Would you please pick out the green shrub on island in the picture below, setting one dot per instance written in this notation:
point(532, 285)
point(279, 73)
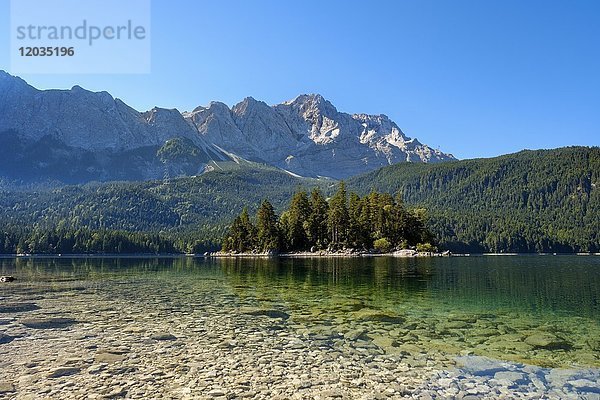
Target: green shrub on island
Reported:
point(426, 248)
point(382, 245)
point(376, 221)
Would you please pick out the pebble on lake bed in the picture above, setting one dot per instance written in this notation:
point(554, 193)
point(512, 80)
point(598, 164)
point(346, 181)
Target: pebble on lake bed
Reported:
point(48, 323)
point(63, 371)
point(163, 336)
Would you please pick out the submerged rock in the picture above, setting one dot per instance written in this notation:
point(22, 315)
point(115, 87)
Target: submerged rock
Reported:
point(520, 347)
point(163, 336)
point(453, 325)
point(18, 307)
point(463, 318)
point(585, 385)
point(511, 377)
point(367, 314)
point(63, 371)
point(108, 358)
point(119, 391)
point(271, 313)
point(546, 340)
point(355, 334)
point(7, 388)
point(409, 349)
point(4, 338)
point(594, 343)
point(481, 366)
point(385, 342)
point(48, 323)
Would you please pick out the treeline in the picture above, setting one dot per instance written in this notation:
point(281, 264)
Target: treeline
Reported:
point(85, 241)
point(186, 210)
point(531, 201)
point(375, 221)
point(187, 215)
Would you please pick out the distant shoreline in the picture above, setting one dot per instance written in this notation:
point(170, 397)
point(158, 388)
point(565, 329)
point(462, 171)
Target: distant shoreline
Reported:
point(281, 255)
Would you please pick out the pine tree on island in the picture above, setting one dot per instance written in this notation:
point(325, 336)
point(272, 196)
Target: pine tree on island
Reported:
point(375, 222)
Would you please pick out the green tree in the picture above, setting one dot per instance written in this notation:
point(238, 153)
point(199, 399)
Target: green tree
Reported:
point(268, 230)
point(317, 219)
point(358, 229)
point(338, 220)
point(398, 222)
point(241, 237)
point(297, 224)
point(382, 245)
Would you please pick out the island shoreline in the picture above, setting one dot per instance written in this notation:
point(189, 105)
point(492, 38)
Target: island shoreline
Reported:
point(282, 255)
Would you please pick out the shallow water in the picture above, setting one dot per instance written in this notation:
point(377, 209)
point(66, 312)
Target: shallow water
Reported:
point(535, 310)
point(485, 305)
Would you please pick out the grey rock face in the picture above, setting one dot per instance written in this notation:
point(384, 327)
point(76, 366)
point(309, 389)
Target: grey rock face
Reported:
point(86, 120)
point(96, 136)
point(309, 137)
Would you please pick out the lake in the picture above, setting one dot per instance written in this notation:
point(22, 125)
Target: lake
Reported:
point(490, 326)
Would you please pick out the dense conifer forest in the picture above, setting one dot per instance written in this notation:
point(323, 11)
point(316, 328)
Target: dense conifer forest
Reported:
point(375, 221)
point(532, 201)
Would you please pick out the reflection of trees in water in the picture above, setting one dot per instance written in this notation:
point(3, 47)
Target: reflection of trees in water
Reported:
point(319, 271)
point(64, 268)
point(325, 278)
point(529, 284)
point(483, 284)
point(169, 281)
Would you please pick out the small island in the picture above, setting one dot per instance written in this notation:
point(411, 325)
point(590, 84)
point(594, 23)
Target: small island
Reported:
point(377, 223)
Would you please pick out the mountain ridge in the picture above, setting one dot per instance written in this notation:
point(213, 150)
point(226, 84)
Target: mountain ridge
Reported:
point(307, 136)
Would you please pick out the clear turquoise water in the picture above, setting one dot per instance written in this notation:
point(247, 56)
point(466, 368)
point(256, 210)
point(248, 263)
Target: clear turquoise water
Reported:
point(493, 306)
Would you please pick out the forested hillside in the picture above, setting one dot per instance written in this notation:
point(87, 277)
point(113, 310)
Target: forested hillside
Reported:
point(189, 213)
point(531, 201)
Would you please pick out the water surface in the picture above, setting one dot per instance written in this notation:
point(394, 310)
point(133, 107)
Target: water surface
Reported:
point(540, 310)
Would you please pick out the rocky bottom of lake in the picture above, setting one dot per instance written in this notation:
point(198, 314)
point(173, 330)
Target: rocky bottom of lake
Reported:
point(143, 338)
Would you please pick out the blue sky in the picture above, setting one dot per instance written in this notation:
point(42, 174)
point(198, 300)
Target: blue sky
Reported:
point(474, 78)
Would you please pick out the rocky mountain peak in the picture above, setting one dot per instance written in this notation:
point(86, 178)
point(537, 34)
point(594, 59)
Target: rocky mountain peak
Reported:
point(158, 114)
point(306, 136)
point(219, 107)
point(312, 104)
point(12, 83)
point(5, 77)
point(248, 105)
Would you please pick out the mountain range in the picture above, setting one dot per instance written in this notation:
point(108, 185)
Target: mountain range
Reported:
point(76, 136)
point(61, 152)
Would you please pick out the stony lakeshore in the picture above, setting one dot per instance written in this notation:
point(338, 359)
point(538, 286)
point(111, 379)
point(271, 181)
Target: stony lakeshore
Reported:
point(184, 337)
